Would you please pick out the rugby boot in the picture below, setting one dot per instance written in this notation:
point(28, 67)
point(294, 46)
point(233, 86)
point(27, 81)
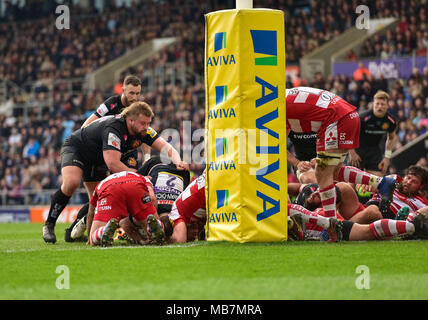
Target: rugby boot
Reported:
point(384, 208)
point(79, 229)
point(421, 226)
point(156, 230)
point(49, 233)
point(295, 231)
point(386, 188)
point(335, 230)
point(107, 237)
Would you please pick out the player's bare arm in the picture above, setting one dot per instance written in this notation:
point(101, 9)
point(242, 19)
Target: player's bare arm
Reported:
point(112, 160)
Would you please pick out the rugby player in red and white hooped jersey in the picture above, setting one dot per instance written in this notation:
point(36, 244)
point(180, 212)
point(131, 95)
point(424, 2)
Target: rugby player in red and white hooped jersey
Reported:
point(189, 209)
point(318, 227)
point(337, 125)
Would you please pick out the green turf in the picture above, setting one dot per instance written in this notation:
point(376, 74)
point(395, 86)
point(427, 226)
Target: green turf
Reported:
point(202, 271)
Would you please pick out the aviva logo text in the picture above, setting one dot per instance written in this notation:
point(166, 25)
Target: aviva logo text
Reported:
point(221, 150)
point(219, 58)
point(265, 47)
point(222, 111)
point(223, 201)
point(265, 50)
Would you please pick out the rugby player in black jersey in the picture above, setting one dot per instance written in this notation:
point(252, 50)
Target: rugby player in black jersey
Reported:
point(103, 141)
point(112, 106)
point(375, 125)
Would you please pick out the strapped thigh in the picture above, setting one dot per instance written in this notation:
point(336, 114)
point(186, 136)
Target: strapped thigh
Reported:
point(324, 158)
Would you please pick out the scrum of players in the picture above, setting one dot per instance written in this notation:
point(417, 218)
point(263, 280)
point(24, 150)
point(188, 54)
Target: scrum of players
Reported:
point(159, 204)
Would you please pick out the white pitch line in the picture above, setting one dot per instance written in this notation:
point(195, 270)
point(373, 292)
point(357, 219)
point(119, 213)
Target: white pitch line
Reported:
point(186, 245)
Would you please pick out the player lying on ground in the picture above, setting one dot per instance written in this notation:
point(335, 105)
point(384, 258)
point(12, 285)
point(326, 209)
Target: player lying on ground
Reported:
point(337, 125)
point(347, 203)
point(123, 195)
point(409, 193)
point(315, 226)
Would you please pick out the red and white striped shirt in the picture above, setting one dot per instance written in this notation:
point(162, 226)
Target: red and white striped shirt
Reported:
point(399, 200)
point(190, 205)
point(307, 109)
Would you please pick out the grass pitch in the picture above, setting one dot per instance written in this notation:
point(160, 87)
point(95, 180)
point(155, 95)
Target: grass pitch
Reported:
point(208, 270)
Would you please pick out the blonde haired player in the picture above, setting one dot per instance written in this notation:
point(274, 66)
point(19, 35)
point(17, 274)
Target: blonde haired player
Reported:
point(376, 123)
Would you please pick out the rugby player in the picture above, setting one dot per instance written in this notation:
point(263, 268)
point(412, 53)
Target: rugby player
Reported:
point(337, 125)
point(104, 141)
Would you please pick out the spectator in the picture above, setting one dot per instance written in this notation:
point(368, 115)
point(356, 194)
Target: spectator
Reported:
point(361, 72)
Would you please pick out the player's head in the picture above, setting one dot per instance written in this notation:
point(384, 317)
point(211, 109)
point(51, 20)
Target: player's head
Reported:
point(380, 103)
point(138, 117)
point(415, 181)
point(131, 90)
point(310, 198)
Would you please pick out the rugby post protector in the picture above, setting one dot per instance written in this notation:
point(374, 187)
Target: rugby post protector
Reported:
point(246, 179)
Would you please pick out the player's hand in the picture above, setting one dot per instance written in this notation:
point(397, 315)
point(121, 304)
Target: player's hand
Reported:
point(183, 166)
point(355, 159)
point(304, 166)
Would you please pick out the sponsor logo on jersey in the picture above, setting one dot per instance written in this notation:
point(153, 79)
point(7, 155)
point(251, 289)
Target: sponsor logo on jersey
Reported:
point(132, 162)
point(146, 199)
point(102, 109)
point(151, 132)
point(102, 205)
point(330, 139)
point(136, 143)
point(113, 140)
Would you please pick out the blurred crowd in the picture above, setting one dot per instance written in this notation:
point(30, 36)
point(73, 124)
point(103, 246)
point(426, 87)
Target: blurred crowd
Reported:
point(34, 54)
